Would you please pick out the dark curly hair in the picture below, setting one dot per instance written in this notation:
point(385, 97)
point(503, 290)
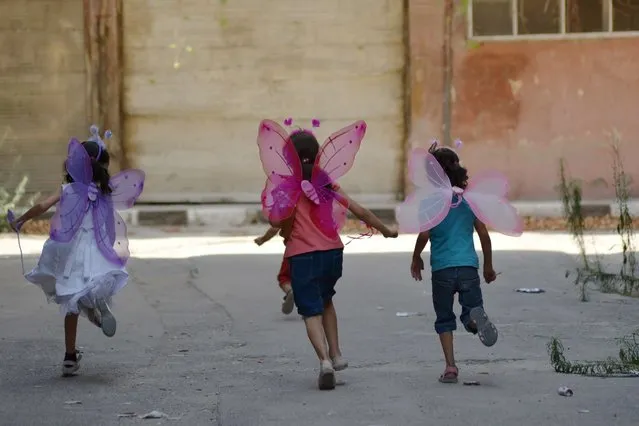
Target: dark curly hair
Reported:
point(99, 165)
point(449, 160)
point(307, 149)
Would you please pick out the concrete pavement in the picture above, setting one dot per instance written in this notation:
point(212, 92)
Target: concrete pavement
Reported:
point(200, 338)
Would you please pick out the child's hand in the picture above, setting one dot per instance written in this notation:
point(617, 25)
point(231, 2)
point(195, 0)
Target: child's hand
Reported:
point(15, 225)
point(489, 274)
point(416, 268)
point(259, 241)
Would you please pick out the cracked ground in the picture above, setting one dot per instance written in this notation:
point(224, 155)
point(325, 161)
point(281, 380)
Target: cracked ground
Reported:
point(201, 339)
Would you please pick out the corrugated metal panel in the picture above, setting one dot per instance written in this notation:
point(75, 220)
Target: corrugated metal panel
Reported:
point(42, 89)
point(193, 129)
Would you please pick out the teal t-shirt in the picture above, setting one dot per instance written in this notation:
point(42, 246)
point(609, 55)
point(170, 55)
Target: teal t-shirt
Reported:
point(451, 242)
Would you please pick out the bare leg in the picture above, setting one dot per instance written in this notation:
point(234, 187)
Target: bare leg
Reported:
point(70, 332)
point(329, 321)
point(446, 340)
point(315, 331)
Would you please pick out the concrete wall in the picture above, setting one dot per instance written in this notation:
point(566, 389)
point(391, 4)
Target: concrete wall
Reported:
point(42, 89)
point(520, 106)
point(193, 128)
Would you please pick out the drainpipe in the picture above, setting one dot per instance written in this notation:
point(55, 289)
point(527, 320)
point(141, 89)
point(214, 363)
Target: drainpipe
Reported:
point(449, 11)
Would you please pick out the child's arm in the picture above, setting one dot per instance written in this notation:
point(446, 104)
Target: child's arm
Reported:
point(268, 235)
point(487, 249)
point(417, 265)
point(37, 210)
point(367, 217)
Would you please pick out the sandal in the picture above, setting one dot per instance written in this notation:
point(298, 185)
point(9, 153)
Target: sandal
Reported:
point(450, 375)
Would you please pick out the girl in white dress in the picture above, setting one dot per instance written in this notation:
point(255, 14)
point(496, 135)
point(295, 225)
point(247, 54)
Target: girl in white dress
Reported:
point(83, 262)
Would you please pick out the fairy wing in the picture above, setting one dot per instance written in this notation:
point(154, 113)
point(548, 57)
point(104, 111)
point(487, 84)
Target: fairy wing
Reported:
point(68, 216)
point(74, 199)
point(78, 163)
point(110, 231)
point(429, 204)
point(337, 154)
point(486, 195)
point(126, 188)
point(282, 168)
point(334, 160)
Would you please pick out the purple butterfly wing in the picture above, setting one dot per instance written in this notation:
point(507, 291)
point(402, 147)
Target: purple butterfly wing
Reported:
point(126, 188)
point(73, 205)
point(78, 163)
point(110, 231)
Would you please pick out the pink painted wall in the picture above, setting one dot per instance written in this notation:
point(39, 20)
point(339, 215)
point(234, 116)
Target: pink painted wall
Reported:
point(520, 106)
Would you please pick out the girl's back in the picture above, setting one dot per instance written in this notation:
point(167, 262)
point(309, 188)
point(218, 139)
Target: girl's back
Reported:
point(452, 241)
point(305, 237)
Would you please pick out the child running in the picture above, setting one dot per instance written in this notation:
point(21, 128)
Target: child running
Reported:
point(284, 276)
point(313, 245)
point(449, 228)
point(82, 265)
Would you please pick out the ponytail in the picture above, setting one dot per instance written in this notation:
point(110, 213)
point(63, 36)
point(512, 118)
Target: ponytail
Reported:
point(307, 148)
point(448, 159)
point(101, 176)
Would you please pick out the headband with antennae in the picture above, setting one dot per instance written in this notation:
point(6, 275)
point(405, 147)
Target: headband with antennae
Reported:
point(95, 137)
point(289, 123)
point(434, 143)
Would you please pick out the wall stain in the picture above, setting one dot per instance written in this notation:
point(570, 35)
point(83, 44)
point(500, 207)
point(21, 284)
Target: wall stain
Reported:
point(488, 88)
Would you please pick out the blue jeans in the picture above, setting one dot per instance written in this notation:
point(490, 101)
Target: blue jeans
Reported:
point(446, 282)
point(313, 278)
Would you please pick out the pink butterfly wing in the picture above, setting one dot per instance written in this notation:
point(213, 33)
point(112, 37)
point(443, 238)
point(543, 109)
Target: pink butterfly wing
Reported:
point(337, 154)
point(70, 211)
point(329, 214)
point(126, 188)
point(283, 171)
point(279, 197)
point(78, 163)
point(429, 204)
point(486, 195)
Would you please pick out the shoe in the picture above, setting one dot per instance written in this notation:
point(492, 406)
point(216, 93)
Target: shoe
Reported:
point(450, 375)
point(486, 330)
point(339, 363)
point(71, 363)
point(289, 303)
point(107, 320)
point(94, 317)
point(326, 380)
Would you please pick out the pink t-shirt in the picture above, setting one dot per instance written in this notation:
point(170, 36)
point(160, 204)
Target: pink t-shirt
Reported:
point(305, 236)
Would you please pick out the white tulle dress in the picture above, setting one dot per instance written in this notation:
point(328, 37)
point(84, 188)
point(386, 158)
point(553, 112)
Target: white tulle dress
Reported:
point(76, 274)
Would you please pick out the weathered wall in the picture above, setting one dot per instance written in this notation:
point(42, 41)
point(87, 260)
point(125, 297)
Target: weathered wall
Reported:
point(520, 106)
point(42, 88)
point(193, 129)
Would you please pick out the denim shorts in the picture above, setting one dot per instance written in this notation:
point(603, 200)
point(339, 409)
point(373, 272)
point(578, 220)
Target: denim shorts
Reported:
point(313, 278)
point(446, 282)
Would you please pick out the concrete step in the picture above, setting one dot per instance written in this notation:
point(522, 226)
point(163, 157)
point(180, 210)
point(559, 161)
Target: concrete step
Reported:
point(235, 215)
point(225, 215)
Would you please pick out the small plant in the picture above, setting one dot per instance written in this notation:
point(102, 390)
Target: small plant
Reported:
point(626, 281)
point(626, 365)
point(12, 197)
point(624, 227)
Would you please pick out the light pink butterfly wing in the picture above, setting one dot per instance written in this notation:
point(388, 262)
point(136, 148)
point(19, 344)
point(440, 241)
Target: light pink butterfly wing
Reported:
point(429, 204)
point(486, 195)
point(283, 171)
point(337, 154)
